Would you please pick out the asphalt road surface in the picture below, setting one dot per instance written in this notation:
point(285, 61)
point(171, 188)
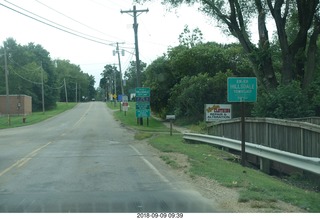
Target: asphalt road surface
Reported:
point(84, 161)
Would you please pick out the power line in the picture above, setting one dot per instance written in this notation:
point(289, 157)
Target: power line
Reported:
point(58, 28)
point(55, 22)
point(33, 82)
point(87, 26)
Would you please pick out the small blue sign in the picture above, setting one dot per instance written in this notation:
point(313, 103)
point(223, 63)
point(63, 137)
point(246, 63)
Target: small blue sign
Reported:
point(242, 89)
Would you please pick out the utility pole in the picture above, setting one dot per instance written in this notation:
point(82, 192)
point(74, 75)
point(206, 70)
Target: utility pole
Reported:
point(65, 90)
point(114, 96)
point(135, 27)
point(76, 92)
point(42, 88)
point(6, 72)
point(118, 52)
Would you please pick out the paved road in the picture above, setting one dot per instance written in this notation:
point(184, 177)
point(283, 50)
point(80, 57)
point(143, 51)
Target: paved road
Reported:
point(84, 161)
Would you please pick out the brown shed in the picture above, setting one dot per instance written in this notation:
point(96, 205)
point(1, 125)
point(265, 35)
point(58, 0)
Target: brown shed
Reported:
point(19, 105)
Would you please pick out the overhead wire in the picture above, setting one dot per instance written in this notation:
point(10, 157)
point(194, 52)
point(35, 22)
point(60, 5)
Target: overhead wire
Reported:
point(74, 20)
point(33, 82)
point(59, 28)
point(26, 79)
point(56, 23)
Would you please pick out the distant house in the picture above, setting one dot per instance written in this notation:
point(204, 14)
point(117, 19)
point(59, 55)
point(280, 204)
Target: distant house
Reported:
point(18, 105)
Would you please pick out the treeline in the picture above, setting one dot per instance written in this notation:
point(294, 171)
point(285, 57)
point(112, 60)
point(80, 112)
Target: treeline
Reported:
point(187, 77)
point(31, 65)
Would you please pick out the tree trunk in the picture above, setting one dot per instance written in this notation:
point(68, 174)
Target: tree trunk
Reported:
point(310, 64)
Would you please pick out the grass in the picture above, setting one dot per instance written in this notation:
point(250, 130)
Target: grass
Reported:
point(253, 185)
point(129, 119)
point(210, 162)
point(17, 121)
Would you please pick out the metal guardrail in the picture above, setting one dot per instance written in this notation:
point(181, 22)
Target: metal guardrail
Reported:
point(311, 164)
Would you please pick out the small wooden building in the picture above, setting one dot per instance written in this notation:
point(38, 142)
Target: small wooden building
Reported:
point(19, 105)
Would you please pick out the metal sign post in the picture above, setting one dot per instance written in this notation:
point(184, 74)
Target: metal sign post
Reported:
point(241, 89)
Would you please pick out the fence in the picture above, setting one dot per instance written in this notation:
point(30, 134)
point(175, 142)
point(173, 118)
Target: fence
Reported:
point(313, 120)
point(297, 137)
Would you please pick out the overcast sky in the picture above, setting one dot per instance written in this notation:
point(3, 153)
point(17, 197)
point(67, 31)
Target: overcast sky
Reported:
point(101, 21)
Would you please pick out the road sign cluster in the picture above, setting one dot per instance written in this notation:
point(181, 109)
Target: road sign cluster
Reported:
point(142, 102)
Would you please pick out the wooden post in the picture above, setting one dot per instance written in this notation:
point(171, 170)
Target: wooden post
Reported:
point(170, 118)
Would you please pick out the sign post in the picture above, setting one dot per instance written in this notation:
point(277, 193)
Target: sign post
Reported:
point(125, 104)
point(242, 89)
point(170, 118)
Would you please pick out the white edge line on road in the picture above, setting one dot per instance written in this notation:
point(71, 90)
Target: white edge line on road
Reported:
point(163, 178)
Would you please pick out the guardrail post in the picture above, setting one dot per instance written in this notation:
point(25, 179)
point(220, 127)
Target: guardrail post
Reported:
point(265, 165)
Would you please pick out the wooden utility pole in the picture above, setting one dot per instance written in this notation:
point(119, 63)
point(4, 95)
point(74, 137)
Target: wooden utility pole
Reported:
point(135, 28)
point(119, 60)
point(6, 73)
point(42, 89)
point(65, 89)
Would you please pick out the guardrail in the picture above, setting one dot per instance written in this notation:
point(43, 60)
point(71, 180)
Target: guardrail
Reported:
point(311, 164)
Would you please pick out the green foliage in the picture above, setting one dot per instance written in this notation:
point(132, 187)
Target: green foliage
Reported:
point(190, 39)
point(75, 79)
point(28, 64)
point(160, 80)
point(189, 96)
point(287, 101)
point(131, 74)
point(178, 76)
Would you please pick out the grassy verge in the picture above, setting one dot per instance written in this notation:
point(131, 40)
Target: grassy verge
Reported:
point(129, 119)
point(212, 163)
point(17, 121)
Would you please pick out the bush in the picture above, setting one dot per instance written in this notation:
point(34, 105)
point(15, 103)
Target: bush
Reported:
point(287, 101)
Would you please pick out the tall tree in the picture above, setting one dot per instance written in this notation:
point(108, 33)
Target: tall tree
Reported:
point(297, 55)
point(190, 39)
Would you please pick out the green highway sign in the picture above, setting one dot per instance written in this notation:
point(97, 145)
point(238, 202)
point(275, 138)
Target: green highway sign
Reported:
point(142, 92)
point(142, 102)
point(242, 89)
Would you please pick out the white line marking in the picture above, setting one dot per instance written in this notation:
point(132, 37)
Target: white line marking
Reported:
point(163, 178)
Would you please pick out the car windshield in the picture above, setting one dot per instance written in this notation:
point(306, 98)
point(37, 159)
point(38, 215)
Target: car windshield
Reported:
point(159, 109)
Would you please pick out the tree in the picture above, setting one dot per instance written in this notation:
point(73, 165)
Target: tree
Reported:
point(160, 80)
point(130, 75)
point(190, 39)
point(77, 82)
point(297, 52)
point(287, 101)
point(27, 64)
point(175, 72)
point(189, 96)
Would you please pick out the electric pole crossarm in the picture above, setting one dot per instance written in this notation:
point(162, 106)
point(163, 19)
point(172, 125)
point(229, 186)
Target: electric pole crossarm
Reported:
point(134, 10)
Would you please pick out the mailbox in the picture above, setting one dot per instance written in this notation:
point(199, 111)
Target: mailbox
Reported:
point(170, 117)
